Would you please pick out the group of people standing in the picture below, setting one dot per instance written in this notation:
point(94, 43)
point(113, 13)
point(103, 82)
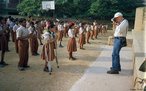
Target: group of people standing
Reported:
point(32, 32)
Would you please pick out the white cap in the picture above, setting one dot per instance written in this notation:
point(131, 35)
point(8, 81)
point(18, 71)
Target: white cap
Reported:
point(117, 15)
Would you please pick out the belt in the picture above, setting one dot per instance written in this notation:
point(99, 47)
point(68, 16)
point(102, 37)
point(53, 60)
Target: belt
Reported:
point(119, 37)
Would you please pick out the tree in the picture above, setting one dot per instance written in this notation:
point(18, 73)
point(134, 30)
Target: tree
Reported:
point(29, 7)
point(83, 7)
point(65, 9)
point(101, 9)
point(106, 8)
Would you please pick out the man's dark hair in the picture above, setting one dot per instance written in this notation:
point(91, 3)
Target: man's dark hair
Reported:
point(21, 20)
point(51, 24)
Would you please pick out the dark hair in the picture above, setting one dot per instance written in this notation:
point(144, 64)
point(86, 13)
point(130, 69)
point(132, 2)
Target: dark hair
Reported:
point(31, 23)
point(21, 20)
point(71, 24)
point(3, 18)
point(51, 24)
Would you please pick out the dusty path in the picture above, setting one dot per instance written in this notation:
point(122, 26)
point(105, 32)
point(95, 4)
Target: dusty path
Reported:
point(62, 79)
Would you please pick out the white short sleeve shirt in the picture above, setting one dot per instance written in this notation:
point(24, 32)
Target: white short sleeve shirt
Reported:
point(121, 29)
point(71, 33)
point(22, 32)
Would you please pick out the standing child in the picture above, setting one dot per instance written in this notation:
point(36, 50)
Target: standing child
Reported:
point(23, 45)
point(48, 53)
point(71, 47)
point(60, 33)
point(88, 34)
point(33, 39)
point(15, 27)
point(82, 38)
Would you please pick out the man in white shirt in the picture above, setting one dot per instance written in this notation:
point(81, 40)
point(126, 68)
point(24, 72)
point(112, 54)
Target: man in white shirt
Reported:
point(119, 41)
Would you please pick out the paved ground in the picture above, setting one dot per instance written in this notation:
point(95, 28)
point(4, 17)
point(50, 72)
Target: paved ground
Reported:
point(96, 79)
point(91, 63)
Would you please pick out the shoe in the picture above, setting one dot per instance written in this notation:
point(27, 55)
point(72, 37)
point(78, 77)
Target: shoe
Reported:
point(112, 72)
point(88, 42)
point(21, 68)
point(46, 69)
point(37, 54)
point(3, 63)
point(82, 48)
point(73, 58)
point(117, 70)
point(61, 46)
point(27, 66)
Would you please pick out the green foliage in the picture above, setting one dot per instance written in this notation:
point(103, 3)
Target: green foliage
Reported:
point(60, 1)
point(65, 10)
point(29, 7)
point(83, 7)
point(106, 8)
point(101, 9)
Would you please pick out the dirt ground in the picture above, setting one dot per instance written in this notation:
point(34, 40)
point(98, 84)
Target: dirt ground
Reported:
point(62, 79)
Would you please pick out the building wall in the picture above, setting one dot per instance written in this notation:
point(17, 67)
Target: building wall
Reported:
point(8, 6)
point(13, 3)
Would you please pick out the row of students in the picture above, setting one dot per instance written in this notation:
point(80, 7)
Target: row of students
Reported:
point(26, 33)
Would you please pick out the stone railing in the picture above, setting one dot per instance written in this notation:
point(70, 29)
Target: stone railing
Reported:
point(138, 56)
point(139, 49)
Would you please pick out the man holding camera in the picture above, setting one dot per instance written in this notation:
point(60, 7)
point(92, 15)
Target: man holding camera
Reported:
point(119, 41)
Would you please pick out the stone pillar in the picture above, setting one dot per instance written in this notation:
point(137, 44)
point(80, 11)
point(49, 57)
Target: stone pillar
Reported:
point(145, 29)
point(145, 19)
point(139, 19)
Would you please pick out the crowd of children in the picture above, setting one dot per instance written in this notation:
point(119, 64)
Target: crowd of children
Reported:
point(32, 32)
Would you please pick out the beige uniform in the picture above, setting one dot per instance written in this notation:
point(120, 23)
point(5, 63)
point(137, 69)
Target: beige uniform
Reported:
point(88, 34)
point(23, 46)
point(81, 37)
point(15, 27)
point(71, 47)
point(95, 29)
point(33, 41)
point(60, 32)
point(48, 53)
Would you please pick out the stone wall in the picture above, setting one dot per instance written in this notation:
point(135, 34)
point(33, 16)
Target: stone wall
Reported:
point(139, 47)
